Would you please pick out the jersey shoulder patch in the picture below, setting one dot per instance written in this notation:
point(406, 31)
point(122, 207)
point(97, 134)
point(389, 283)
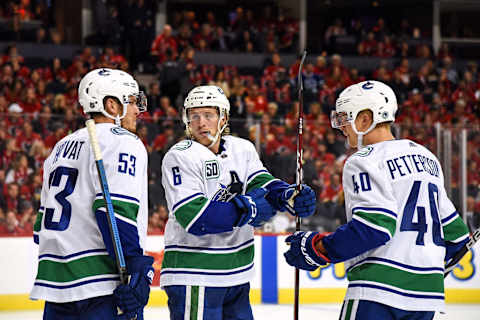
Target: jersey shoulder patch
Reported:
point(182, 145)
point(364, 152)
point(119, 131)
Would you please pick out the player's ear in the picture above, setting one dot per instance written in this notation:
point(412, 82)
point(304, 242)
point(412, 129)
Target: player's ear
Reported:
point(366, 119)
point(112, 106)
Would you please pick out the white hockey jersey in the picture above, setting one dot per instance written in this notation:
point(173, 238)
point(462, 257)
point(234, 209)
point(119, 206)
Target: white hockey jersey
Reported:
point(192, 176)
point(73, 262)
point(397, 187)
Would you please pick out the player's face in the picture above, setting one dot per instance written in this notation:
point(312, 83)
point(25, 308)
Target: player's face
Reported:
point(350, 134)
point(203, 123)
point(129, 122)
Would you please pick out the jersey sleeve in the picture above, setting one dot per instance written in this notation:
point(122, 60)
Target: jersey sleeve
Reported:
point(373, 210)
point(43, 196)
point(125, 162)
point(455, 231)
point(183, 183)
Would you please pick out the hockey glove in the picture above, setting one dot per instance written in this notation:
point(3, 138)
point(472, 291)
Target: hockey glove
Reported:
point(304, 202)
point(302, 253)
point(254, 209)
point(131, 298)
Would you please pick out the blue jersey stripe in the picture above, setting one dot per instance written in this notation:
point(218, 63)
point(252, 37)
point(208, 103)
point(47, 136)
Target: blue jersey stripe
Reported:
point(207, 248)
point(76, 284)
point(410, 295)
point(449, 217)
point(185, 200)
point(375, 209)
point(207, 273)
point(118, 195)
point(250, 176)
point(72, 255)
point(406, 266)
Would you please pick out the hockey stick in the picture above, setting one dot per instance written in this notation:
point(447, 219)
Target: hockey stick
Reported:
point(459, 255)
point(112, 222)
point(298, 176)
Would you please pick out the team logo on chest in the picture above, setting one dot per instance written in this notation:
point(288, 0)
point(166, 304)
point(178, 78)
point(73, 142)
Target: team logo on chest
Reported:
point(227, 193)
point(211, 169)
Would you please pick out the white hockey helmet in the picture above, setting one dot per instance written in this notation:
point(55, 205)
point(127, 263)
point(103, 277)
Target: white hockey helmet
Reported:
point(101, 83)
point(367, 95)
point(207, 96)
point(370, 95)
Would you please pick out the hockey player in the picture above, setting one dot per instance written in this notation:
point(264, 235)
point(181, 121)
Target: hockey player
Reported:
point(401, 225)
point(76, 270)
point(217, 191)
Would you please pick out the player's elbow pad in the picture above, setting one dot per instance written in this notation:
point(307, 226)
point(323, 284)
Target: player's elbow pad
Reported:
point(218, 217)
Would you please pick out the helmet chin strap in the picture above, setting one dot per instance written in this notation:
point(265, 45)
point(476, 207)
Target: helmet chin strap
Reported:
point(118, 121)
point(214, 139)
point(117, 118)
point(360, 134)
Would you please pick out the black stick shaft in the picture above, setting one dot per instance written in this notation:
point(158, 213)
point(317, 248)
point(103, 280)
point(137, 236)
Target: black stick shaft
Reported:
point(299, 176)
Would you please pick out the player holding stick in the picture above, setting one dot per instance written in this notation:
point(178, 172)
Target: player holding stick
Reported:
point(217, 191)
point(401, 225)
point(77, 275)
point(299, 178)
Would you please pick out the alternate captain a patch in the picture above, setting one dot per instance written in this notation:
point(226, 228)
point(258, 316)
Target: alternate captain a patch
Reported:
point(211, 169)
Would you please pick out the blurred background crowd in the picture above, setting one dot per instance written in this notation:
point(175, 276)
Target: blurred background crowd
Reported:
point(38, 95)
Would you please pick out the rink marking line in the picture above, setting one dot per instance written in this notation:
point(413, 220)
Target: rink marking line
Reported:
point(158, 298)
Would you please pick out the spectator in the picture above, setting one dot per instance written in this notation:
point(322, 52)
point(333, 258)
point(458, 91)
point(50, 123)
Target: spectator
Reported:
point(368, 46)
point(41, 36)
point(220, 41)
point(164, 42)
point(11, 226)
point(20, 170)
point(311, 85)
point(171, 72)
point(25, 216)
point(9, 153)
point(58, 133)
point(334, 145)
point(332, 33)
point(3, 189)
point(12, 198)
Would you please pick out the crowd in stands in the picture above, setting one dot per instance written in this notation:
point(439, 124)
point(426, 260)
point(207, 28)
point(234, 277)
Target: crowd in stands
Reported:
point(38, 106)
point(27, 20)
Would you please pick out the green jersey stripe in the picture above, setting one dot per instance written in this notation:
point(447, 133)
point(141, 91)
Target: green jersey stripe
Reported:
point(379, 219)
point(38, 222)
point(259, 181)
point(128, 210)
point(208, 261)
point(402, 279)
point(55, 271)
point(188, 211)
point(455, 230)
point(194, 303)
point(348, 312)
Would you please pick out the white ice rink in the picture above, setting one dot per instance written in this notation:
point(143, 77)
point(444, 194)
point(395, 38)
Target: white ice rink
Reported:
point(281, 312)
